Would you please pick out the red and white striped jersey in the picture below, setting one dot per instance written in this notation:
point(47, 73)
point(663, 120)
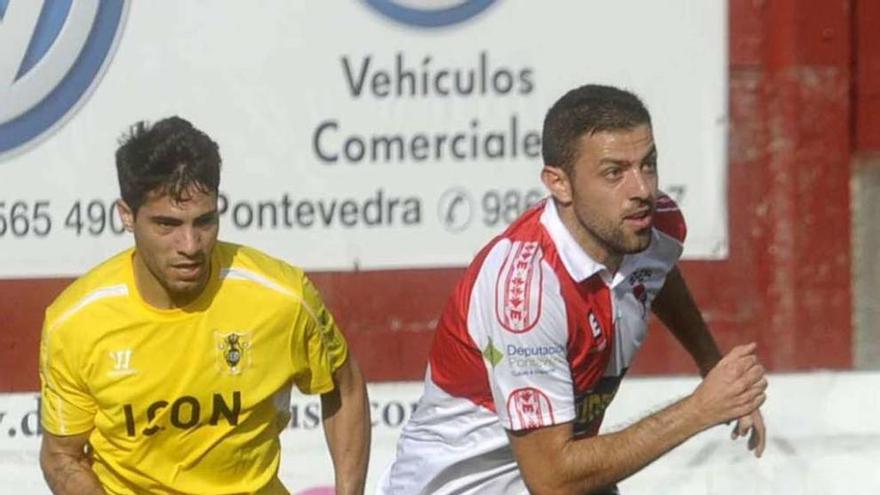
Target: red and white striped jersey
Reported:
point(535, 334)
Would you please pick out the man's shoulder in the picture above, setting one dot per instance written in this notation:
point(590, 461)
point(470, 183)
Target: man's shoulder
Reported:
point(520, 272)
point(528, 225)
point(523, 242)
point(669, 235)
point(108, 280)
point(245, 263)
point(669, 220)
point(527, 230)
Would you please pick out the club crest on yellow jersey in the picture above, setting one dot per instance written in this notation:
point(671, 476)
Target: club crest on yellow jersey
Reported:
point(233, 351)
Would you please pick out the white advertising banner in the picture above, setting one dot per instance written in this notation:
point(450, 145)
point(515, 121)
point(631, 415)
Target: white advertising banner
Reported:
point(355, 135)
point(306, 467)
point(832, 449)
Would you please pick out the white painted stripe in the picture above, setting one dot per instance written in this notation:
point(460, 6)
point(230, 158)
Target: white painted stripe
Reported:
point(239, 274)
point(59, 413)
point(96, 295)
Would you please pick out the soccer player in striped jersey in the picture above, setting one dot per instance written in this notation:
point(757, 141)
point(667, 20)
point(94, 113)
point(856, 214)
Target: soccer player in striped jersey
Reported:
point(547, 319)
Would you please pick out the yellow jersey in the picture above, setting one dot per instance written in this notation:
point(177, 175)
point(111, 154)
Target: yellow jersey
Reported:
point(190, 400)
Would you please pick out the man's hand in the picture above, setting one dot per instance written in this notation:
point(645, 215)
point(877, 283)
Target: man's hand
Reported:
point(677, 310)
point(734, 388)
point(552, 460)
point(755, 423)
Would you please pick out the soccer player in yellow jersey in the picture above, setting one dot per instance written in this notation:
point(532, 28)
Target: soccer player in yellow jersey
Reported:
point(168, 368)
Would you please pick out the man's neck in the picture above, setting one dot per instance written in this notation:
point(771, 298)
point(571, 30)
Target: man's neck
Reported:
point(153, 292)
point(593, 246)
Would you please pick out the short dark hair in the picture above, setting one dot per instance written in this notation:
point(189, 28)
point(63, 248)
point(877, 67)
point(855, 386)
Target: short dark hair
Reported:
point(170, 156)
point(586, 110)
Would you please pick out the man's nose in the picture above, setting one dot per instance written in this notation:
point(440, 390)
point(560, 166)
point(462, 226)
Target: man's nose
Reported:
point(189, 240)
point(640, 186)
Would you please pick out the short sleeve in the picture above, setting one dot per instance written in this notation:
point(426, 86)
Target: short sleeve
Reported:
point(318, 347)
point(67, 407)
point(518, 318)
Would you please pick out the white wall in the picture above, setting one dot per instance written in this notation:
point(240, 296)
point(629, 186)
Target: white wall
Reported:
point(824, 432)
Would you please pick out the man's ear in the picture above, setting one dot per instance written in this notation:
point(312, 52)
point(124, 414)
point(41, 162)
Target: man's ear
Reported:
point(557, 182)
point(125, 214)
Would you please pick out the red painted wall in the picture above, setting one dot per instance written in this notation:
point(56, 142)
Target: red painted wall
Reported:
point(786, 283)
point(866, 90)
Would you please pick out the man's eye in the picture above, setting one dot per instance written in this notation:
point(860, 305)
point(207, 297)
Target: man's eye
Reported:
point(210, 220)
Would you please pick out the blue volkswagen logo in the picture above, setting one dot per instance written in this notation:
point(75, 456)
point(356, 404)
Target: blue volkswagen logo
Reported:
point(54, 53)
point(444, 13)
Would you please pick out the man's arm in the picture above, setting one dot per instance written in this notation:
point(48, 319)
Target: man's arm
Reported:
point(679, 313)
point(346, 415)
point(66, 466)
point(553, 462)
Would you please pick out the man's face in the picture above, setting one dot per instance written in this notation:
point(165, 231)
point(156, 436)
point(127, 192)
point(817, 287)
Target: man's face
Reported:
point(613, 190)
point(174, 241)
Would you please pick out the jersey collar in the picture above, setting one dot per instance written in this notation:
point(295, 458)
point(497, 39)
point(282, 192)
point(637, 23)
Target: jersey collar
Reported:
point(577, 262)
